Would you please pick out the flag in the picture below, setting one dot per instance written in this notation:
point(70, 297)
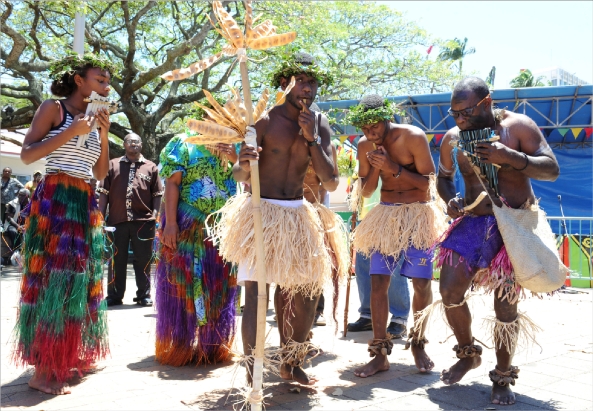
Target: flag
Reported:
point(429, 50)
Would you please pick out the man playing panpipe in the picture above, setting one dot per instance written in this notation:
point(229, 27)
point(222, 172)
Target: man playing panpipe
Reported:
point(472, 250)
point(398, 233)
point(297, 260)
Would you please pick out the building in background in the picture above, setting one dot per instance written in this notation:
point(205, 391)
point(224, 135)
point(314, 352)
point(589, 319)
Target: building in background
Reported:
point(10, 156)
point(559, 77)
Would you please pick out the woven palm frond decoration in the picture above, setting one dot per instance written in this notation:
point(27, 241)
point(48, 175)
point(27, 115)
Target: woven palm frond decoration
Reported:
point(261, 37)
point(228, 123)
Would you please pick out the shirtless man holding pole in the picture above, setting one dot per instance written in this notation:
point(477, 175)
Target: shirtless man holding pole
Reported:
point(288, 139)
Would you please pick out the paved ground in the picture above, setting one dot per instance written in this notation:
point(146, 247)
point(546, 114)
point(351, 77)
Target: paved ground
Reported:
point(557, 376)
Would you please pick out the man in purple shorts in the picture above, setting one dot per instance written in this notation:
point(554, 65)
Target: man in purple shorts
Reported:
point(472, 251)
point(397, 233)
point(412, 263)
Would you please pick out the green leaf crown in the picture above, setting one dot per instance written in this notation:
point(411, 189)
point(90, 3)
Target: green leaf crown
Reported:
point(292, 67)
point(361, 115)
point(73, 61)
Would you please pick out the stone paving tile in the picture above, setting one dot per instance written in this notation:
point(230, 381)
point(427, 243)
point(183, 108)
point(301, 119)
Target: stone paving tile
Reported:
point(572, 363)
point(584, 378)
point(574, 389)
point(550, 370)
point(100, 406)
point(547, 399)
point(416, 402)
point(390, 389)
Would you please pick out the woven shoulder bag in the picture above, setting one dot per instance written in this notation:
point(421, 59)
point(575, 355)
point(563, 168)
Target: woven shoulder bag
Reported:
point(531, 246)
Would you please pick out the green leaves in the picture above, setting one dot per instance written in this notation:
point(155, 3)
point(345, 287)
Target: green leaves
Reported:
point(73, 61)
point(360, 116)
point(526, 79)
point(456, 50)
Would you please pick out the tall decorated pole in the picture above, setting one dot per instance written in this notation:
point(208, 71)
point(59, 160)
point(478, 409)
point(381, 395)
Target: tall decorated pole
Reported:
point(229, 125)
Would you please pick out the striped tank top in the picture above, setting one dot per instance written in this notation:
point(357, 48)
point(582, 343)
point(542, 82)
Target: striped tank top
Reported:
point(74, 161)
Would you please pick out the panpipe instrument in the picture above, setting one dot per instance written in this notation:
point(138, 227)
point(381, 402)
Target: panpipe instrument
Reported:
point(468, 141)
point(96, 102)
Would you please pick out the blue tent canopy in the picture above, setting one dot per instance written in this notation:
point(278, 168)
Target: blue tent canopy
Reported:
point(562, 113)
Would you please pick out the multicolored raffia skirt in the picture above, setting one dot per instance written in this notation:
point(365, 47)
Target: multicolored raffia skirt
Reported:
point(62, 322)
point(478, 242)
point(196, 296)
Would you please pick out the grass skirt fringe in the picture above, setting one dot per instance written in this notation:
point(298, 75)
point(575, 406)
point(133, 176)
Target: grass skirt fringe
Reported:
point(296, 257)
point(62, 321)
point(518, 333)
point(336, 239)
point(391, 229)
point(196, 296)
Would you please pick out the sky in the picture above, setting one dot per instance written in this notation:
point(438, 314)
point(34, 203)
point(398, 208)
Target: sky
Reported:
point(513, 35)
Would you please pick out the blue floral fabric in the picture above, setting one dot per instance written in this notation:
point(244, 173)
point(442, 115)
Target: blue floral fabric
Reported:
point(205, 185)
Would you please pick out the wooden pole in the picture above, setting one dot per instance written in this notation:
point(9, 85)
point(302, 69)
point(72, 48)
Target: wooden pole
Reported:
point(256, 394)
point(78, 44)
point(353, 258)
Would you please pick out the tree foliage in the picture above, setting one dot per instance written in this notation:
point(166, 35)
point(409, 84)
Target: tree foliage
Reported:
point(526, 79)
point(456, 50)
point(368, 47)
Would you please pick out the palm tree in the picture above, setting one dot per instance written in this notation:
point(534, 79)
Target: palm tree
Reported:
point(490, 78)
point(456, 50)
point(526, 79)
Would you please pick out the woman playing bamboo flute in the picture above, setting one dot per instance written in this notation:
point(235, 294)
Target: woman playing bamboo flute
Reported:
point(61, 321)
point(196, 290)
point(296, 258)
point(398, 233)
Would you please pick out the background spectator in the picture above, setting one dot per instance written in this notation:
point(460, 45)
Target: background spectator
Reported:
point(32, 185)
point(14, 224)
point(10, 189)
point(133, 191)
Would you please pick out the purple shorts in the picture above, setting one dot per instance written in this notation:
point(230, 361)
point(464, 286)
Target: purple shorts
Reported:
point(411, 263)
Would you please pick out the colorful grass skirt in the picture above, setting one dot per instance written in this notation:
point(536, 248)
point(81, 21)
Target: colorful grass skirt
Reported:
point(196, 296)
point(478, 242)
point(62, 322)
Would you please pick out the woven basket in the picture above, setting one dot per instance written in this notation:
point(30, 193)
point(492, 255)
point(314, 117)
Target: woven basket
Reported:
point(531, 247)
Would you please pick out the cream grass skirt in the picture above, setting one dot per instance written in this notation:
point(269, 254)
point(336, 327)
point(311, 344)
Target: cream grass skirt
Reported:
point(391, 229)
point(336, 238)
point(296, 257)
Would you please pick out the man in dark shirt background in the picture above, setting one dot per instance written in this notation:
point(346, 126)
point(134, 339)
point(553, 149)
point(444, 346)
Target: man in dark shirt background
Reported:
point(133, 191)
point(10, 189)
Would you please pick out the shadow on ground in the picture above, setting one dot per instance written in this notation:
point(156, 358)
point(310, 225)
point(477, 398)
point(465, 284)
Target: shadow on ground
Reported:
point(477, 396)
point(17, 392)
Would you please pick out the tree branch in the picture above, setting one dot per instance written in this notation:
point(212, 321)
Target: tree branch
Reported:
point(11, 140)
point(20, 120)
point(172, 54)
point(15, 88)
point(100, 15)
point(131, 29)
point(33, 32)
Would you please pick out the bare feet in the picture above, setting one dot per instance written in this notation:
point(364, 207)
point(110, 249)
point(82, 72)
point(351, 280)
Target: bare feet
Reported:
point(49, 386)
point(423, 362)
point(377, 364)
point(296, 374)
point(459, 369)
point(502, 395)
